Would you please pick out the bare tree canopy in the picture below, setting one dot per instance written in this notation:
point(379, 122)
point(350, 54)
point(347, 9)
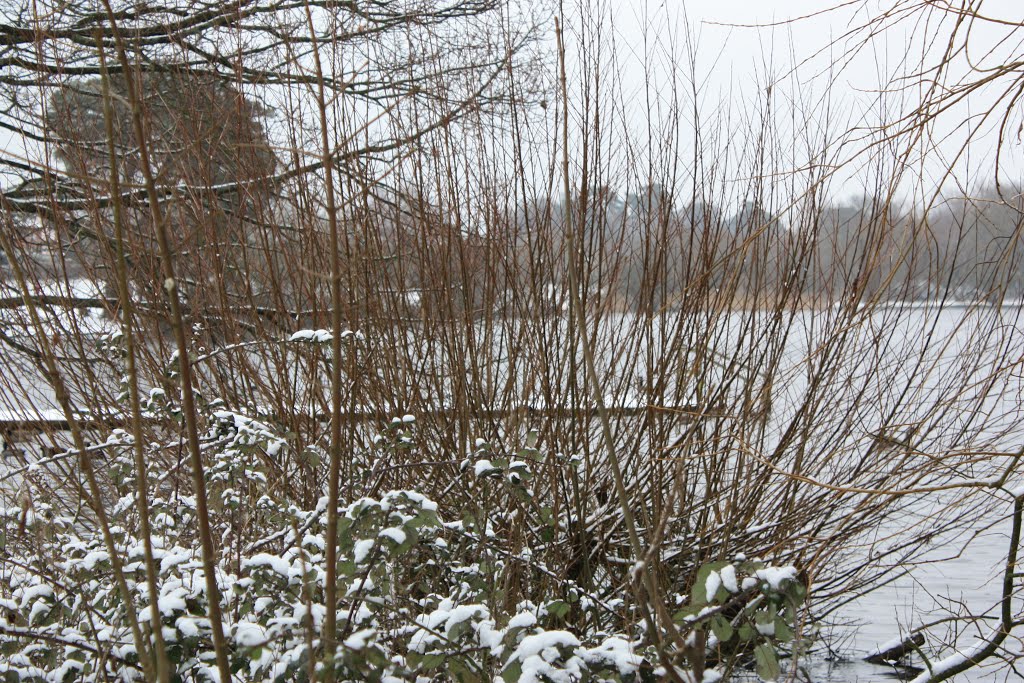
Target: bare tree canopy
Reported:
point(378, 58)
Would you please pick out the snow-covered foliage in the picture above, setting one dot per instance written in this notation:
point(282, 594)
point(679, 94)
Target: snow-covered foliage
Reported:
point(426, 593)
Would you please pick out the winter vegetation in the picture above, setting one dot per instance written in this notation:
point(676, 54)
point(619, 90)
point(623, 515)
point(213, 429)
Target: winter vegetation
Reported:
point(414, 341)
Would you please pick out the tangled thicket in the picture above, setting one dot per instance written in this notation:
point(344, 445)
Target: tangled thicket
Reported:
point(421, 596)
point(703, 354)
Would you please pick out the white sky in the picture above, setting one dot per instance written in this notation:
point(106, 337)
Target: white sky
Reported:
point(733, 63)
point(734, 59)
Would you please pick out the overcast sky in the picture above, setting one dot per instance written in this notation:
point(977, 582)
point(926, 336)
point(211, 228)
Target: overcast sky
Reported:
point(736, 56)
point(735, 59)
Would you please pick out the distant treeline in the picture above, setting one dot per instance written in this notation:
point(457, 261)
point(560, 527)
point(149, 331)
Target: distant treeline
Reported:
point(644, 252)
point(652, 250)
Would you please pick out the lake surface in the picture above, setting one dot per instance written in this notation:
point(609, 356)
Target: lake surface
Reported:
point(970, 581)
point(960, 575)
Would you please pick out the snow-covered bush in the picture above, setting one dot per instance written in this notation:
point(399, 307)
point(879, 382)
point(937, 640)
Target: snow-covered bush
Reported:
point(425, 593)
point(748, 606)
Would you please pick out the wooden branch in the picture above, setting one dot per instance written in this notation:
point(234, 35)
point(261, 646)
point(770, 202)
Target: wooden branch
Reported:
point(898, 651)
point(8, 302)
point(41, 423)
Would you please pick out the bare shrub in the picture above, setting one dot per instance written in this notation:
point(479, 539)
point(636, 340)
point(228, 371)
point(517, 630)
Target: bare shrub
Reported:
point(452, 234)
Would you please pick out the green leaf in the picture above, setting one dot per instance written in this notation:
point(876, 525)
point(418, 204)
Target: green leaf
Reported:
point(698, 594)
point(546, 515)
point(460, 630)
point(428, 518)
point(680, 617)
point(461, 672)
point(722, 629)
point(312, 457)
point(783, 633)
point(558, 609)
point(431, 661)
point(523, 494)
point(767, 662)
point(765, 616)
point(512, 672)
point(747, 633)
